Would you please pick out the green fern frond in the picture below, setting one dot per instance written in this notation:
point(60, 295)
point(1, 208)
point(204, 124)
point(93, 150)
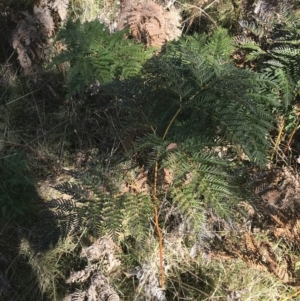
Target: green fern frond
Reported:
point(99, 205)
point(286, 51)
point(112, 216)
point(254, 28)
point(137, 215)
point(286, 85)
point(99, 183)
point(278, 48)
point(53, 225)
point(200, 181)
point(219, 47)
point(73, 189)
point(95, 54)
point(247, 43)
point(190, 205)
point(255, 55)
point(212, 100)
point(62, 204)
point(275, 63)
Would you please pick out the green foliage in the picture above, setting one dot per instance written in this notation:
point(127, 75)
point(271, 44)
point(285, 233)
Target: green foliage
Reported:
point(96, 55)
point(205, 184)
point(98, 205)
point(194, 97)
point(275, 45)
point(216, 102)
point(16, 190)
point(188, 111)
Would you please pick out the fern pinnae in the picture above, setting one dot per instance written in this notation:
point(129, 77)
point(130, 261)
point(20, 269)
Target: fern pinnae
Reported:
point(100, 52)
point(112, 217)
point(286, 86)
point(61, 203)
point(247, 43)
point(73, 189)
point(139, 211)
point(220, 46)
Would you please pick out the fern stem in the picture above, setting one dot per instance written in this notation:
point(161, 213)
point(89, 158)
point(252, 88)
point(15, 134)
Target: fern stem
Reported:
point(155, 184)
point(172, 120)
point(156, 203)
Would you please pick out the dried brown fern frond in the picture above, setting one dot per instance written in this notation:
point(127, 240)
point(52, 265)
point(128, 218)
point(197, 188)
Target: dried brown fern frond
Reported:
point(101, 258)
point(103, 252)
point(289, 231)
point(277, 204)
point(78, 296)
point(61, 7)
point(42, 14)
point(98, 289)
point(30, 37)
point(261, 256)
point(267, 9)
point(136, 182)
point(172, 28)
point(290, 185)
point(149, 23)
point(283, 270)
point(146, 22)
point(27, 41)
point(149, 284)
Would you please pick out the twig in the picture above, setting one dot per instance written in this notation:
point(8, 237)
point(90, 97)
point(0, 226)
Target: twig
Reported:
point(292, 295)
point(202, 10)
point(32, 92)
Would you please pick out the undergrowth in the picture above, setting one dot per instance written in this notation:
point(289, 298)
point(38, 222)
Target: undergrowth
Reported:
point(154, 180)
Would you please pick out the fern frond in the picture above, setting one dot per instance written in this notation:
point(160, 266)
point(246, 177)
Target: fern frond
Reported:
point(277, 48)
point(61, 6)
point(95, 54)
point(73, 189)
point(286, 86)
point(138, 212)
point(42, 13)
point(286, 51)
point(200, 181)
point(275, 63)
point(112, 216)
point(62, 204)
point(256, 29)
point(219, 46)
point(208, 93)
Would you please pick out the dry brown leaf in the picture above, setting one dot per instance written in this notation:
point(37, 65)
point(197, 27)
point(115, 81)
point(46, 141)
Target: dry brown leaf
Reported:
point(171, 146)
